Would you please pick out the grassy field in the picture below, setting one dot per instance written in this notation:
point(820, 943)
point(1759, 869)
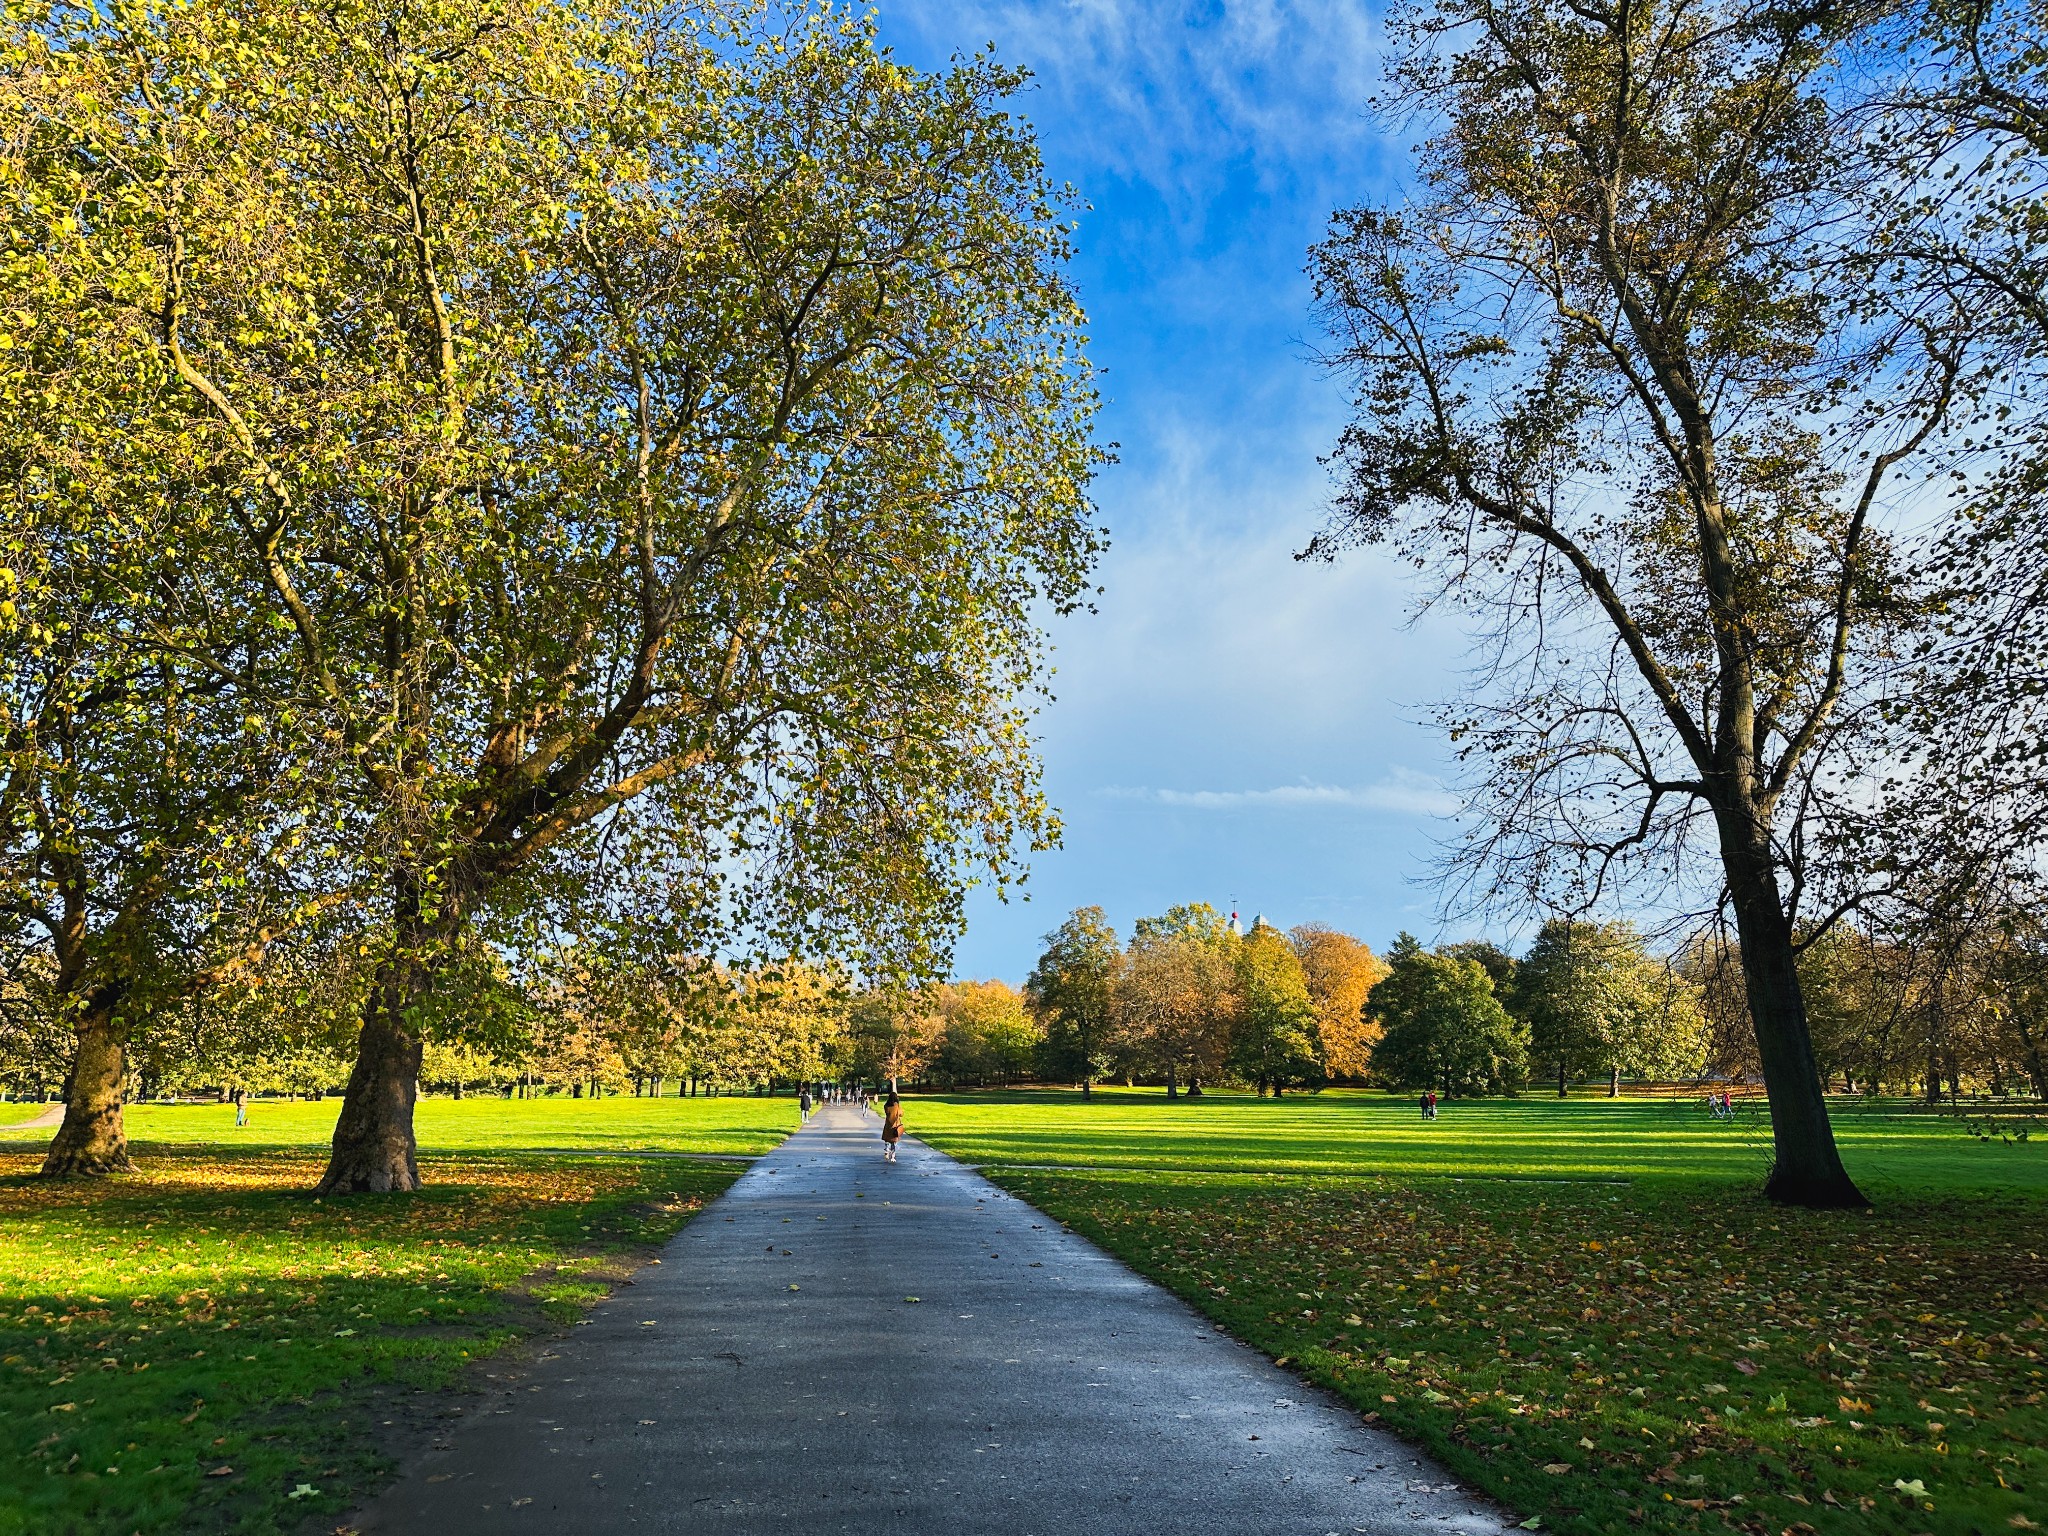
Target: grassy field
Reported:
point(1890, 1149)
point(1582, 1307)
point(203, 1347)
point(746, 1126)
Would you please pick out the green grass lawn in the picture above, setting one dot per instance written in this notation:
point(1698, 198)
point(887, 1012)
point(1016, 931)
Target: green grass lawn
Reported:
point(1890, 1149)
point(1583, 1308)
point(747, 1126)
point(203, 1347)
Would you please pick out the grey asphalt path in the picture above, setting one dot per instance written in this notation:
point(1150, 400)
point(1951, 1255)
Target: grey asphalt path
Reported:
point(771, 1376)
point(52, 1116)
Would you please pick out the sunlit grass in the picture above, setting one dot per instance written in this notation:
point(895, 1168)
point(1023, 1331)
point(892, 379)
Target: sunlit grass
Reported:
point(206, 1314)
point(1585, 1308)
point(746, 1126)
point(1888, 1147)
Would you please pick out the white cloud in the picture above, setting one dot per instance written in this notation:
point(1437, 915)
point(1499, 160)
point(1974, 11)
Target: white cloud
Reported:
point(1402, 792)
point(1173, 94)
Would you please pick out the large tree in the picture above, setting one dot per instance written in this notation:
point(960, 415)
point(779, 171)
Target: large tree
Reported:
point(1442, 1027)
point(1341, 972)
point(144, 786)
point(1620, 386)
point(1596, 1000)
point(1072, 990)
point(655, 430)
point(1176, 1001)
point(1273, 1042)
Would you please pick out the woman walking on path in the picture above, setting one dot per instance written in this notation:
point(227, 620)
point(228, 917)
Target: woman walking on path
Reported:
point(892, 1126)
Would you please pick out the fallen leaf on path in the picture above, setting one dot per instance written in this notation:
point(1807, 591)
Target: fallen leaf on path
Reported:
point(913, 1298)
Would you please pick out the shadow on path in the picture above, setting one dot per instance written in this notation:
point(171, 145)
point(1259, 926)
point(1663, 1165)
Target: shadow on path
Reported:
point(774, 1373)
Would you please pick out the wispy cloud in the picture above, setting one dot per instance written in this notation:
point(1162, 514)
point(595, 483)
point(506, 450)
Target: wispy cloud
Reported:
point(1404, 793)
point(1180, 94)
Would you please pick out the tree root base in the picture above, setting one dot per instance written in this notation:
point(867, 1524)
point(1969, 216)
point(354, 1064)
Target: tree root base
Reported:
point(85, 1165)
point(374, 1178)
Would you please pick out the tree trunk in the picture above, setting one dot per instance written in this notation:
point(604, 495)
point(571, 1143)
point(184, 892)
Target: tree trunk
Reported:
point(1806, 1169)
point(2036, 1068)
point(91, 1141)
point(374, 1147)
point(1562, 1091)
point(1614, 1082)
point(1172, 1089)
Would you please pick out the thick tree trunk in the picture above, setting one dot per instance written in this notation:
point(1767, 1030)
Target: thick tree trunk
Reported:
point(374, 1148)
point(1562, 1090)
point(92, 1141)
point(1807, 1169)
point(1614, 1082)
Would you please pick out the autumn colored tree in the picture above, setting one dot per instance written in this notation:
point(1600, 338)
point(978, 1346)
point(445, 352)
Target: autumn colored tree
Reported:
point(1072, 993)
point(1176, 1003)
point(989, 1034)
point(1620, 385)
point(1273, 1040)
point(895, 1032)
point(1340, 972)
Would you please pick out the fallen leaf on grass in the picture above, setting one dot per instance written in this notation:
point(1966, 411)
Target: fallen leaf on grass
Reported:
point(1747, 1367)
point(1557, 1468)
point(1916, 1487)
point(303, 1491)
point(222, 1472)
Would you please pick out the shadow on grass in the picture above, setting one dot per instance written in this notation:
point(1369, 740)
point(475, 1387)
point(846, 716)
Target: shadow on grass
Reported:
point(206, 1313)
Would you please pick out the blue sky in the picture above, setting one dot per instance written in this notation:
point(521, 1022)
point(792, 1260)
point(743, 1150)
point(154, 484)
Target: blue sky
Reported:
point(1232, 723)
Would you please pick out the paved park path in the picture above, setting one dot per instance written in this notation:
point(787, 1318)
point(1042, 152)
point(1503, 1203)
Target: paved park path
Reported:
point(54, 1115)
point(772, 1376)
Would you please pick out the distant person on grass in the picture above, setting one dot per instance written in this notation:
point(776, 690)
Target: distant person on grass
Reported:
point(892, 1125)
point(241, 1106)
